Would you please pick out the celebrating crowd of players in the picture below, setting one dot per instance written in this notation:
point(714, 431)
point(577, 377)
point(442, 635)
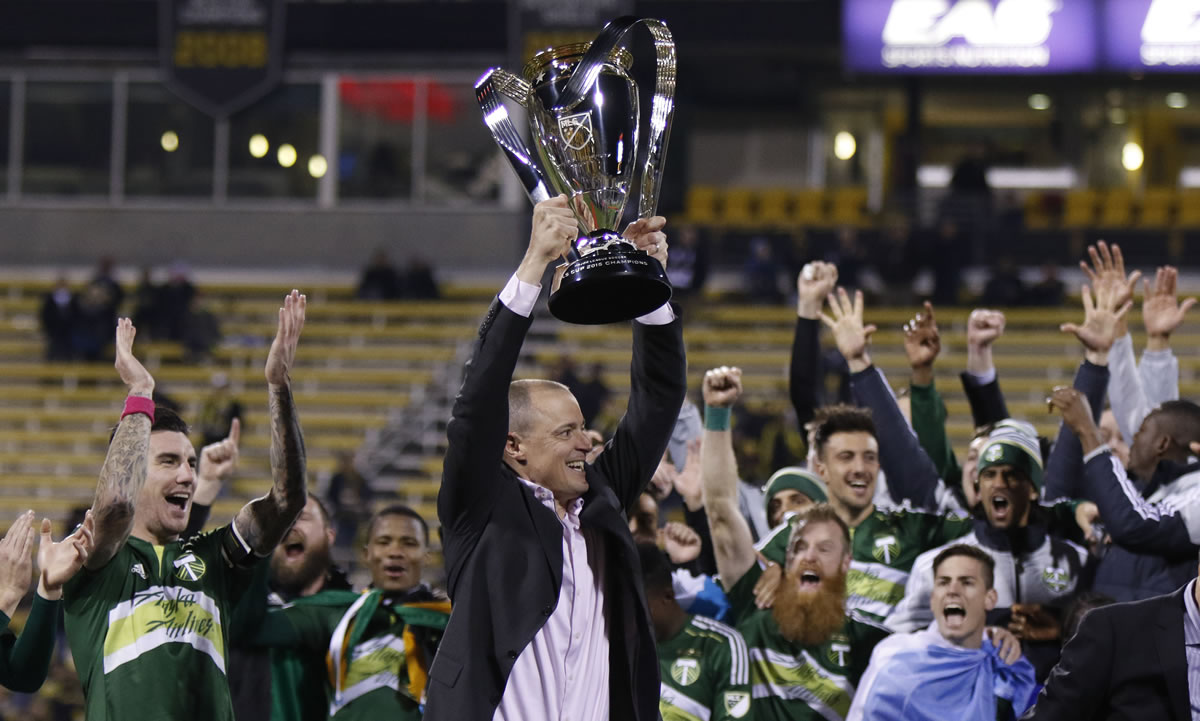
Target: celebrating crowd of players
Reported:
point(881, 580)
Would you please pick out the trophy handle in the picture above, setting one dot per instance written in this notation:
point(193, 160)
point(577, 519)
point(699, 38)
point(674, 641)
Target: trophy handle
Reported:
point(662, 109)
point(487, 91)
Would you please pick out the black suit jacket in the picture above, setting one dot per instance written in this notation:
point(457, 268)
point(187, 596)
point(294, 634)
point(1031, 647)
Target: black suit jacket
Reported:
point(1125, 663)
point(503, 548)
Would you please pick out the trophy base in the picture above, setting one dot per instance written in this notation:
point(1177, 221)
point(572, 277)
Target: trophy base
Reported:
point(610, 285)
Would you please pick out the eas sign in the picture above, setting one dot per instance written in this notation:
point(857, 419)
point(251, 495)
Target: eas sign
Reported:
point(949, 36)
point(1152, 34)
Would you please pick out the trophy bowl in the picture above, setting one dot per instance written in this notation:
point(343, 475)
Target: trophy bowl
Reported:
point(593, 145)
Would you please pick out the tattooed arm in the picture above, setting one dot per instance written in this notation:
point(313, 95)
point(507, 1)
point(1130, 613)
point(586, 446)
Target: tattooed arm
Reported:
point(263, 522)
point(124, 469)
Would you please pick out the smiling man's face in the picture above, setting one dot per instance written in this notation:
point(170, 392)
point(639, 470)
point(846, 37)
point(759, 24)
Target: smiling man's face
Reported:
point(849, 465)
point(165, 501)
point(395, 553)
point(552, 448)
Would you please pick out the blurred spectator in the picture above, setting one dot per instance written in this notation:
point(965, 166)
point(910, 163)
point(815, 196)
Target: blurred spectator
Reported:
point(1049, 291)
point(147, 315)
point(895, 261)
point(201, 331)
point(59, 311)
point(762, 273)
point(349, 497)
point(218, 411)
point(592, 394)
point(105, 280)
point(945, 252)
point(1005, 287)
point(418, 281)
point(850, 257)
point(379, 281)
point(687, 266)
point(95, 320)
point(175, 297)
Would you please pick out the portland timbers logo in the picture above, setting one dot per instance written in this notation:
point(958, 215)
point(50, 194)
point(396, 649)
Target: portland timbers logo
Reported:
point(993, 454)
point(1056, 579)
point(685, 671)
point(189, 567)
point(839, 650)
point(887, 549)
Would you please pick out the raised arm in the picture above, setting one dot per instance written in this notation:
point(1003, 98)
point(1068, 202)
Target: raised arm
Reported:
point(732, 543)
point(262, 522)
point(1162, 314)
point(218, 461)
point(979, 380)
point(1167, 528)
point(125, 465)
point(910, 473)
point(657, 387)
point(816, 281)
point(922, 344)
point(478, 426)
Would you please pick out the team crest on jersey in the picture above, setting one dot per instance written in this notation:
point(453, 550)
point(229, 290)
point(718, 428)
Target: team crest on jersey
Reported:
point(839, 650)
point(189, 567)
point(138, 569)
point(685, 671)
point(737, 703)
point(887, 549)
point(1056, 579)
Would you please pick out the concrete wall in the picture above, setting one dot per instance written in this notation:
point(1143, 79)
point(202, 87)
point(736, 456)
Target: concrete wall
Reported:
point(256, 239)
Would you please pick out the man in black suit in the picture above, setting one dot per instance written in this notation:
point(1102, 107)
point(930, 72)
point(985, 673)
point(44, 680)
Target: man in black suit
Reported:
point(1129, 661)
point(550, 619)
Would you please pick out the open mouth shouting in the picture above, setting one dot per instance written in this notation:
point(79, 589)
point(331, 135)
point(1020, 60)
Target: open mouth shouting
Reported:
point(394, 571)
point(179, 501)
point(809, 580)
point(954, 613)
point(293, 547)
point(1002, 506)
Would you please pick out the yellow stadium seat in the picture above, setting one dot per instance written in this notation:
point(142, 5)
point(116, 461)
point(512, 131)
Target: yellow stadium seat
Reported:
point(700, 205)
point(1079, 209)
point(1036, 215)
point(1116, 210)
point(1156, 208)
point(737, 210)
point(1189, 208)
point(809, 207)
point(773, 208)
point(847, 207)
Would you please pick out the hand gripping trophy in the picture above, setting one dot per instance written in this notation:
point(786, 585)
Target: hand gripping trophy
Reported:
point(592, 140)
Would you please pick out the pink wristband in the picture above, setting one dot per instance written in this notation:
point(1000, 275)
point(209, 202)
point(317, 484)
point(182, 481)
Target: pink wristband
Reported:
point(138, 404)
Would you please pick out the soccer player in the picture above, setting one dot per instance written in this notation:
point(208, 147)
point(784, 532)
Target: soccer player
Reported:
point(379, 644)
point(950, 665)
point(704, 664)
point(148, 619)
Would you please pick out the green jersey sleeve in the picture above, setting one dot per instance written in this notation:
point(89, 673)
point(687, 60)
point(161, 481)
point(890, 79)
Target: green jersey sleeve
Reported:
point(929, 423)
point(729, 677)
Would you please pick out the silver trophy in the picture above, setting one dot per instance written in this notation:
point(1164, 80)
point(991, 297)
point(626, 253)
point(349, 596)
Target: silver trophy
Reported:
point(592, 146)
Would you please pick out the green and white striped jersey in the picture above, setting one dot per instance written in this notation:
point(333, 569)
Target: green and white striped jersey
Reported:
point(705, 673)
point(149, 630)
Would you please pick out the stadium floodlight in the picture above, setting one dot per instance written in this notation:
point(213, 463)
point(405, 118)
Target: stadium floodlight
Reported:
point(844, 145)
point(286, 155)
point(1132, 156)
point(169, 141)
point(259, 145)
point(1039, 101)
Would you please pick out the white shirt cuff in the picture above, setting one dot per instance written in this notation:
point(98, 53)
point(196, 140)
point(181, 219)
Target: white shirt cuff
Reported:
point(1104, 448)
point(663, 315)
point(984, 378)
point(519, 296)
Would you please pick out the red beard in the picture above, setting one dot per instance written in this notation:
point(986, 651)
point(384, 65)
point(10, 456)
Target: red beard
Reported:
point(810, 618)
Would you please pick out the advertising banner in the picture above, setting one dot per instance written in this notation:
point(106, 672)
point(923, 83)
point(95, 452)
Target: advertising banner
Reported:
point(970, 36)
point(1152, 35)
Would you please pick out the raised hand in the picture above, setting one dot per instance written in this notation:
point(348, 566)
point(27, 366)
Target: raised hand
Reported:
point(922, 343)
point(846, 322)
point(1161, 310)
point(287, 336)
point(647, 235)
point(16, 563)
point(768, 583)
point(554, 229)
point(1077, 414)
point(1107, 274)
point(681, 543)
point(1101, 321)
point(131, 370)
point(58, 562)
point(722, 387)
point(814, 283)
point(217, 463)
point(984, 327)
point(687, 482)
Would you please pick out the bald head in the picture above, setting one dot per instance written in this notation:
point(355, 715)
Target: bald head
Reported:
point(522, 401)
